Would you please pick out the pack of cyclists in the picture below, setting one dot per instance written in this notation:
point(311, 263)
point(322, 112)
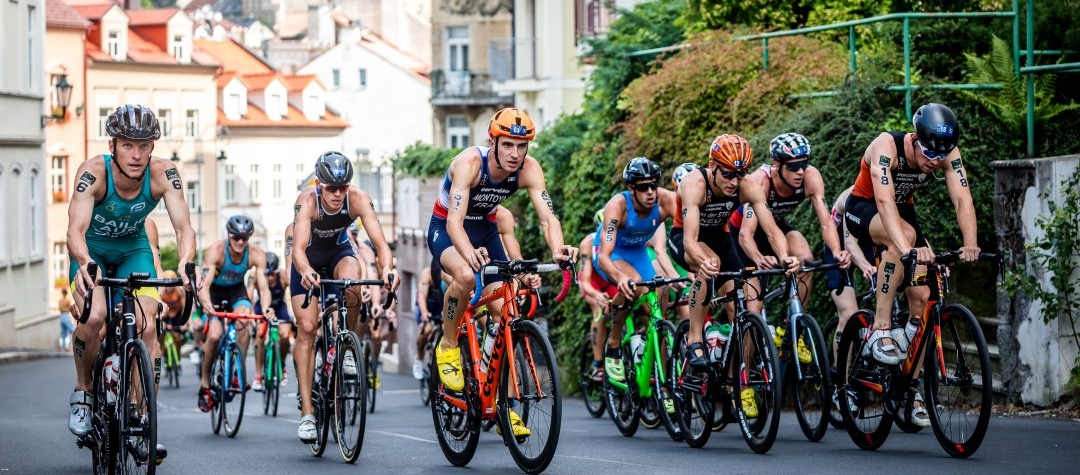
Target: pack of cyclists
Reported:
point(725, 216)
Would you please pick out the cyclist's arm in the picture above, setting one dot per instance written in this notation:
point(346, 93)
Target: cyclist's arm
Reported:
point(959, 186)
point(258, 264)
point(152, 238)
point(692, 191)
point(504, 219)
point(755, 196)
point(166, 177)
point(881, 156)
point(215, 254)
point(365, 208)
point(614, 213)
point(532, 178)
point(304, 210)
point(91, 182)
point(585, 270)
point(815, 192)
point(659, 245)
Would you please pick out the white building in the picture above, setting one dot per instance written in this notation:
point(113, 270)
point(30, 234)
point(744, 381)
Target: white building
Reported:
point(24, 281)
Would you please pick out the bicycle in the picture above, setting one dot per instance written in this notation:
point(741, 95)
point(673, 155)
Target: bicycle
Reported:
point(429, 382)
point(955, 389)
point(171, 353)
point(749, 355)
point(272, 370)
point(591, 389)
point(227, 375)
point(371, 354)
point(521, 368)
point(650, 370)
point(799, 337)
point(339, 389)
point(123, 435)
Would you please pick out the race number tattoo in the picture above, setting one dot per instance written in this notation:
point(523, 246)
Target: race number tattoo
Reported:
point(458, 195)
point(85, 181)
point(547, 199)
point(296, 209)
point(693, 293)
point(884, 162)
point(80, 347)
point(451, 306)
point(684, 213)
point(890, 268)
point(959, 167)
point(174, 176)
point(176, 185)
point(609, 233)
point(749, 212)
point(288, 246)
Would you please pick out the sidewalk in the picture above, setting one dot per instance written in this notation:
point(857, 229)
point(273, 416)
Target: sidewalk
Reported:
point(11, 355)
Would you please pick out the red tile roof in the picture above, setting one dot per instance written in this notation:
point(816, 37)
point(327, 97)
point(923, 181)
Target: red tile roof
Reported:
point(256, 117)
point(93, 12)
point(141, 50)
point(234, 57)
point(158, 16)
point(61, 15)
point(299, 82)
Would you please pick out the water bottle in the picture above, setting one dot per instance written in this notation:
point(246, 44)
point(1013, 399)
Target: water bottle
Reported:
point(637, 347)
point(489, 347)
point(318, 364)
point(329, 361)
point(111, 373)
point(716, 335)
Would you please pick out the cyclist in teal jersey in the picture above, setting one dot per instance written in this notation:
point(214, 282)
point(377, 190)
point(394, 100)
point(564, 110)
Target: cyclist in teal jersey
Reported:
point(113, 195)
point(228, 261)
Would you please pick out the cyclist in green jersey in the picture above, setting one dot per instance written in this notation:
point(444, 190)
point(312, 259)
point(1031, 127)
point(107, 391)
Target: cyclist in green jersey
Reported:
point(114, 193)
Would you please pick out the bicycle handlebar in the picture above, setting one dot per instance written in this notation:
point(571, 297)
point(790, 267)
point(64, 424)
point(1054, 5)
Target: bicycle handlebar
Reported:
point(946, 258)
point(346, 283)
point(511, 268)
point(657, 281)
point(138, 280)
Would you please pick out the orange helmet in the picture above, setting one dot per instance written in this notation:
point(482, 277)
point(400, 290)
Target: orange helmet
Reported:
point(732, 152)
point(512, 122)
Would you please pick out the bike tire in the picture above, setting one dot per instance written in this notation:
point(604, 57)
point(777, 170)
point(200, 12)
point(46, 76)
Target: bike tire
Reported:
point(902, 419)
point(427, 385)
point(813, 392)
point(694, 410)
point(350, 416)
point(267, 376)
point(372, 365)
point(103, 429)
point(623, 407)
point(663, 390)
point(235, 392)
point(457, 429)
point(138, 418)
point(592, 392)
point(761, 373)
point(319, 392)
point(862, 404)
point(217, 375)
point(536, 396)
point(967, 385)
point(831, 343)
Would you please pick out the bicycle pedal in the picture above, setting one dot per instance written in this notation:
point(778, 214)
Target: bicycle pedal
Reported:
point(693, 383)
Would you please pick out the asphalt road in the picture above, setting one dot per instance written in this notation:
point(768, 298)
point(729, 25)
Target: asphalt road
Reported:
point(400, 439)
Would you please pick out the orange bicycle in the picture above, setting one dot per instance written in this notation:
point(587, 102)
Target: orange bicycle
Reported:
point(518, 362)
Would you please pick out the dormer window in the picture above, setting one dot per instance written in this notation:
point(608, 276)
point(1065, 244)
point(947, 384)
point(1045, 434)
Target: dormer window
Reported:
point(314, 108)
point(275, 107)
point(112, 43)
point(234, 106)
point(179, 49)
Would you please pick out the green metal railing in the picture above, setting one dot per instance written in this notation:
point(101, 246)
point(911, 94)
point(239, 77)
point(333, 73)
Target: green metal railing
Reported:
point(1029, 69)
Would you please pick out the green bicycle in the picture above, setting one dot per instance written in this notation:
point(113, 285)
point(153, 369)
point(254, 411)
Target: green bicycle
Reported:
point(651, 388)
point(272, 371)
point(171, 352)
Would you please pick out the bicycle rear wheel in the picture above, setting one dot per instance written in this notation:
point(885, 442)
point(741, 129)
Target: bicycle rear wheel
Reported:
point(350, 417)
point(859, 385)
point(831, 343)
point(319, 393)
point(760, 373)
point(137, 448)
point(217, 377)
point(663, 390)
point(234, 394)
point(958, 382)
point(427, 384)
point(622, 406)
point(372, 357)
point(457, 428)
point(591, 391)
point(813, 391)
point(694, 410)
point(533, 391)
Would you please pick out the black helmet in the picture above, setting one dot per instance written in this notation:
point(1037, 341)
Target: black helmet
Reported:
point(272, 262)
point(936, 128)
point(640, 168)
point(240, 225)
point(789, 146)
point(333, 168)
point(133, 122)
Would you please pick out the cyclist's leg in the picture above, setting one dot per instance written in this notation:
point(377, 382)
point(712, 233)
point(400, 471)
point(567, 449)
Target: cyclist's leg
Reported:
point(346, 265)
point(890, 276)
point(212, 330)
point(285, 333)
point(307, 324)
point(800, 248)
point(626, 268)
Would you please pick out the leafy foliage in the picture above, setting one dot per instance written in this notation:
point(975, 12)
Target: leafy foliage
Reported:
point(169, 257)
point(777, 14)
point(421, 159)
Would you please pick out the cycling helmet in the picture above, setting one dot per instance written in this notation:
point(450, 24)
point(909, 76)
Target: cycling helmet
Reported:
point(789, 146)
point(354, 229)
point(168, 274)
point(512, 122)
point(133, 122)
point(272, 262)
point(598, 218)
point(240, 225)
point(937, 128)
point(333, 168)
point(681, 171)
point(732, 152)
point(640, 168)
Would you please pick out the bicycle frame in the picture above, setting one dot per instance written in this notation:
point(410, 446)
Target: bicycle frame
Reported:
point(228, 341)
point(272, 366)
point(644, 370)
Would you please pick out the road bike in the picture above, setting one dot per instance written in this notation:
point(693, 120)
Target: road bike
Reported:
point(228, 383)
point(273, 367)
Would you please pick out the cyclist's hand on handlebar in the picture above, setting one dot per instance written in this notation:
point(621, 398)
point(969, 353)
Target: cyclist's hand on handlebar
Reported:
point(270, 314)
point(709, 268)
point(844, 258)
point(969, 253)
point(791, 264)
point(924, 255)
point(625, 289)
point(531, 281)
point(391, 278)
point(83, 283)
point(309, 278)
point(565, 253)
point(365, 295)
point(869, 272)
point(765, 262)
point(477, 258)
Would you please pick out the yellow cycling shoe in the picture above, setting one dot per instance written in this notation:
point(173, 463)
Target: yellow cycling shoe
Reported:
point(804, 352)
point(749, 405)
point(520, 431)
point(450, 367)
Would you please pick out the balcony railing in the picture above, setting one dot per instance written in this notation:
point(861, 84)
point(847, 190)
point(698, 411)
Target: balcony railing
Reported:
point(463, 88)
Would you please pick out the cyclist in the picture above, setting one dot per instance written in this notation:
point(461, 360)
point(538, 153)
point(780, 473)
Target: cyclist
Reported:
point(683, 290)
point(114, 193)
point(631, 218)
point(429, 300)
point(839, 282)
point(277, 281)
point(596, 292)
point(698, 240)
point(880, 210)
point(323, 214)
point(228, 260)
point(463, 233)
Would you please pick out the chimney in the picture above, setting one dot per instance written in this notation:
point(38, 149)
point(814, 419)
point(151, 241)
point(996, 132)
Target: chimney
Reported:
point(313, 34)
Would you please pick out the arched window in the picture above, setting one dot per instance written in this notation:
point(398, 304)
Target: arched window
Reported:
point(18, 244)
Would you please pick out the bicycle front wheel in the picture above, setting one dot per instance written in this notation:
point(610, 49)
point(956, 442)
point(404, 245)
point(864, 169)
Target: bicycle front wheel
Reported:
point(138, 413)
point(591, 391)
point(532, 391)
point(859, 385)
point(269, 384)
point(217, 378)
point(350, 388)
point(234, 392)
point(812, 389)
point(456, 414)
point(694, 410)
point(959, 382)
point(757, 384)
point(372, 357)
point(664, 388)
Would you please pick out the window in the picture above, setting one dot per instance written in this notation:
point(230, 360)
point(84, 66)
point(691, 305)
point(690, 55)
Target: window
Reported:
point(457, 131)
point(230, 190)
point(36, 233)
point(363, 78)
point(371, 182)
point(112, 43)
point(254, 169)
point(59, 260)
point(230, 169)
point(300, 168)
point(253, 191)
point(165, 121)
point(54, 97)
point(192, 195)
point(19, 242)
point(277, 168)
point(457, 61)
point(58, 179)
point(234, 107)
point(336, 81)
point(103, 118)
point(32, 45)
point(191, 125)
point(178, 48)
point(277, 187)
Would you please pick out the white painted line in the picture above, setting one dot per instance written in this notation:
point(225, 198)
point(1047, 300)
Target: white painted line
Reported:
point(620, 462)
point(400, 391)
point(403, 436)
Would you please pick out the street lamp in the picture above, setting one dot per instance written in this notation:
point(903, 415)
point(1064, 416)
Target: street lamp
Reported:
point(198, 161)
point(63, 99)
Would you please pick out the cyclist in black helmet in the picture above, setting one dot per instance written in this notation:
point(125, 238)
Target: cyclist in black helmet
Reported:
point(322, 249)
point(113, 195)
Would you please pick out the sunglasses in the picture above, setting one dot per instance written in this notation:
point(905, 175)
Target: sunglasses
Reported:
point(796, 166)
point(238, 238)
point(931, 154)
point(731, 174)
point(643, 187)
point(335, 188)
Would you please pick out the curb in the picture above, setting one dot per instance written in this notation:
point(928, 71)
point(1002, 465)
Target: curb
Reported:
point(29, 355)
